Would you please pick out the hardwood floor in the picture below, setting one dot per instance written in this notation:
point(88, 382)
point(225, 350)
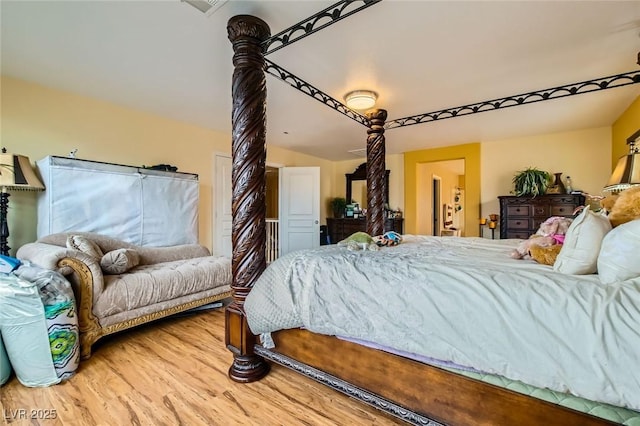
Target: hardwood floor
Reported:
point(174, 372)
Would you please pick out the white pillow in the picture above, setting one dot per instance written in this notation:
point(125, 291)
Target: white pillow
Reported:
point(619, 258)
point(579, 253)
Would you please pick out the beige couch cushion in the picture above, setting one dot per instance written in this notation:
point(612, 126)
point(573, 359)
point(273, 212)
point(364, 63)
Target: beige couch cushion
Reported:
point(141, 285)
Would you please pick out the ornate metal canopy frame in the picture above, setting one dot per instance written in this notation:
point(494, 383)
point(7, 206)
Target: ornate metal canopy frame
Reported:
point(345, 8)
point(317, 94)
point(322, 19)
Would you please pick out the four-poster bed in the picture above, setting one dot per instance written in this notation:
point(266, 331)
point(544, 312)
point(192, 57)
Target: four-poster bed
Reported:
point(411, 390)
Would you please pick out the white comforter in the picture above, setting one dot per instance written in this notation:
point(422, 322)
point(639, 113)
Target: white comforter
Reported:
point(466, 301)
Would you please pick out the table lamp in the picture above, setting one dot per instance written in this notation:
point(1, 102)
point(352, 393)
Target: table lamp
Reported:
point(17, 174)
point(627, 171)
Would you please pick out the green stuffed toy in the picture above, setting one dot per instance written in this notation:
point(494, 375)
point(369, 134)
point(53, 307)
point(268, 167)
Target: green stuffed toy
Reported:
point(359, 241)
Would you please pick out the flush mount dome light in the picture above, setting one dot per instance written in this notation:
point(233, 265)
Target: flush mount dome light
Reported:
point(361, 99)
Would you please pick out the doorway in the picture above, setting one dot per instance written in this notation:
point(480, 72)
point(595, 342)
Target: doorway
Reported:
point(440, 197)
point(272, 195)
point(222, 207)
point(272, 192)
point(286, 199)
point(436, 202)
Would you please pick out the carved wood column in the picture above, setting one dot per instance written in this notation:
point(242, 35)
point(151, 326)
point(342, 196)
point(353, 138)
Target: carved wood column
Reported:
point(376, 170)
point(249, 94)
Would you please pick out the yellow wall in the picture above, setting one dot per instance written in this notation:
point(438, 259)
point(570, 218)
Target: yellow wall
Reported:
point(39, 121)
point(468, 152)
point(580, 154)
point(626, 125)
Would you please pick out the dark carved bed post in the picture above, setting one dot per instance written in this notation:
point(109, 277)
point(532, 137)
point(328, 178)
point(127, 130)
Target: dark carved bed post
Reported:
point(249, 94)
point(376, 170)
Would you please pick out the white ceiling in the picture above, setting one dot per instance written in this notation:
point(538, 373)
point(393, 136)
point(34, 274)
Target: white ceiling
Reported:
point(168, 58)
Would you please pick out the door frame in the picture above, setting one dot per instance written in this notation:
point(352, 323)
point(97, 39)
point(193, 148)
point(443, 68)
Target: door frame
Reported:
point(436, 205)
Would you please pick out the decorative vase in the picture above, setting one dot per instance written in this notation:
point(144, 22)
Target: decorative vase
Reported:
point(558, 186)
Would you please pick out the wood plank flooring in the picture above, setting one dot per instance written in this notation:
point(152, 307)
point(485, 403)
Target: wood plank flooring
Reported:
point(174, 372)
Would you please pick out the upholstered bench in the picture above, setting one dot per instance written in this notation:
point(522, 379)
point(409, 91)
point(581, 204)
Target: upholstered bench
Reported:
point(120, 285)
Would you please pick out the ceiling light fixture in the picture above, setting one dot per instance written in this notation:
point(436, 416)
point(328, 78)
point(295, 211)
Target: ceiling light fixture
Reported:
point(361, 99)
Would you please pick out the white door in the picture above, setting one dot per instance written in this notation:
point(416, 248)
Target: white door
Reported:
point(299, 208)
point(223, 198)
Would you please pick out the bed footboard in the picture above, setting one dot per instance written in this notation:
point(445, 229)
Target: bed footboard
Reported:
point(415, 392)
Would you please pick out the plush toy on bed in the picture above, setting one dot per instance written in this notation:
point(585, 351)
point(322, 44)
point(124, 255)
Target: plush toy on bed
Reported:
point(388, 239)
point(551, 233)
point(545, 255)
point(359, 241)
point(623, 207)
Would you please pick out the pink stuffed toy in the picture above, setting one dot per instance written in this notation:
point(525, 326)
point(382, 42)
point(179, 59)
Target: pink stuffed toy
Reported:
point(551, 232)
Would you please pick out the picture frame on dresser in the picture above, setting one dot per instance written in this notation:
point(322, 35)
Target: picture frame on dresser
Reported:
point(520, 217)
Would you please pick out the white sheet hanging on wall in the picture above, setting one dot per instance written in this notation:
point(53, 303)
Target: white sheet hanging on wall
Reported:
point(140, 206)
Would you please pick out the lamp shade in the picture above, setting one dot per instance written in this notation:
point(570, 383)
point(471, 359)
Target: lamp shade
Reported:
point(361, 99)
point(16, 173)
point(626, 173)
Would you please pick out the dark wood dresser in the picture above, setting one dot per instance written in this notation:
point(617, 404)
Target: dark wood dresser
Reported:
point(341, 228)
point(520, 217)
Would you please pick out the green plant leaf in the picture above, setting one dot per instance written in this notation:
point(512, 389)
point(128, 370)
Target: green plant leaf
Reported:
point(531, 182)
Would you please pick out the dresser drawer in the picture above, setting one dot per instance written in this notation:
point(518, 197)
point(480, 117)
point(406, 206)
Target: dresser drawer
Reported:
point(541, 211)
point(562, 210)
point(523, 210)
point(518, 224)
point(567, 199)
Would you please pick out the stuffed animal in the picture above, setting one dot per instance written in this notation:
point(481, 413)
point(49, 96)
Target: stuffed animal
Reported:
point(551, 232)
point(388, 239)
point(545, 255)
point(359, 241)
point(623, 207)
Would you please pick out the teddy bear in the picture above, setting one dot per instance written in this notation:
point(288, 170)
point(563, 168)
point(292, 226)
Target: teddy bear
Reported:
point(545, 255)
point(550, 233)
point(622, 207)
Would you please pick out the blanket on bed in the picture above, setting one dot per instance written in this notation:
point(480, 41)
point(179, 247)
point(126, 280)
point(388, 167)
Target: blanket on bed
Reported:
point(465, 301)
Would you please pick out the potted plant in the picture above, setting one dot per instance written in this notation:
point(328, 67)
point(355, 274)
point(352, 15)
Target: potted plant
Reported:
point(530, 182)
point(338, 204)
